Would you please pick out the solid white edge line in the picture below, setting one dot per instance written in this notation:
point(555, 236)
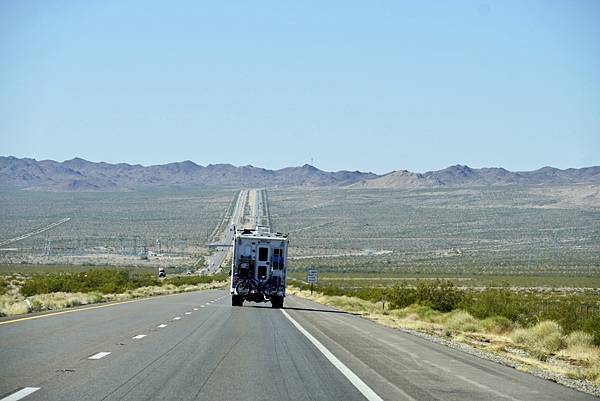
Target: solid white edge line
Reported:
point(138, 337)
point(24, 392)
point(99, 355)
point(350, 375)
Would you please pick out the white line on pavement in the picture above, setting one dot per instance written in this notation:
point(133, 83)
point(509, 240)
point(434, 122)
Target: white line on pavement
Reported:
point(176, 318)
point(161, 326)
point(188, 313)
point(99, 355)
point(195, 308)
point(350, 375)
point(24, 392)
point(138, 337)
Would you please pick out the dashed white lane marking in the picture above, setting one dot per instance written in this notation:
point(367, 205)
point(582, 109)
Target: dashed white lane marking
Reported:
point(177, 318)
point(202, 306)
point(161, 326)
point(99, 355)
point(350, 375)
point(188, 313)
point(24, 392)
point(195, 308)
point(139, 337)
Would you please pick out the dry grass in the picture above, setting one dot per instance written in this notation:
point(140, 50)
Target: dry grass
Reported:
point(540, 340)
point(14, 303)
point(579, 339)
point(496, 325)
point(61, 300)
point(459, 320)
point(575, 356)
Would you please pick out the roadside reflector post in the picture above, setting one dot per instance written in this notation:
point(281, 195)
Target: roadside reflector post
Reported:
point(311, 278)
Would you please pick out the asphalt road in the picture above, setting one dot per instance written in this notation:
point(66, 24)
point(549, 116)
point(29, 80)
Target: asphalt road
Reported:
point(214, 261)
point(218, 352)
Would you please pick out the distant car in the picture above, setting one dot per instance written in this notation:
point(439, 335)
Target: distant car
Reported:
point(188, 272)
point(161, 272)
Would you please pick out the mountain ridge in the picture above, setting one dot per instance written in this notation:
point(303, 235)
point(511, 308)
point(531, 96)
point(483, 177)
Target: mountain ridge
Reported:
point(78, 174)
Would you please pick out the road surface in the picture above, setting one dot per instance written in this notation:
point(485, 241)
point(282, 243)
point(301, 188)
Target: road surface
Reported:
point(214, 261)
point(196, 346)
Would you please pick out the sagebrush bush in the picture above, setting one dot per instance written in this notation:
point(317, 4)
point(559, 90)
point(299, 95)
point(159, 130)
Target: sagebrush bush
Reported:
point(423, 312)
point(579, 338)
point(540, 340)
point(441, 295)
point(106, 281)
point(591, 326)
point(61, 300)
point(460, 321)
point(3, 286)
point(496, 325)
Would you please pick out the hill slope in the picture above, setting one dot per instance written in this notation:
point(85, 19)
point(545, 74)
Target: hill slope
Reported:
point(82, 175)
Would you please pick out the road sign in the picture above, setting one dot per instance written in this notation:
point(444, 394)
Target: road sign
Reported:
point(312, 276)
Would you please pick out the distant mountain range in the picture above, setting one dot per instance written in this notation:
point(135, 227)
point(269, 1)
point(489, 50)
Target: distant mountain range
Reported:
point(82, 175)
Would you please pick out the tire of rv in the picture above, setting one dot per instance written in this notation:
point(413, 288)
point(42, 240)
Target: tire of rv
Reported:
point(277, 302)
point(236, 300)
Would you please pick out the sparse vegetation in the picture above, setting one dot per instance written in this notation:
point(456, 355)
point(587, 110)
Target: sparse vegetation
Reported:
point(518, 308)
point(444, 232)
point(573, 354)
point(103, 281)
point(460, 320)
point(540, 340)
point(579, 338)
point(111, 228)
point(194, 280)
point(65, 289)
point(3, 285)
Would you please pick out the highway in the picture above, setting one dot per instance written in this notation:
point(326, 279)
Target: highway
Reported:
point(195, 346)
point(214, 261)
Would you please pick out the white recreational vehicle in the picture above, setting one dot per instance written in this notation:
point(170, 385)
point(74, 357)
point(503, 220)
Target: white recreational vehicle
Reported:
point(258, 266)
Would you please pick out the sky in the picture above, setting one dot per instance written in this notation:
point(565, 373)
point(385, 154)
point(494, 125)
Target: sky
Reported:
point(343, 85)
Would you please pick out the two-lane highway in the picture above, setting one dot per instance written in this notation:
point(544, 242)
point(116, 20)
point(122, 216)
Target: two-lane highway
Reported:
point(196, 346)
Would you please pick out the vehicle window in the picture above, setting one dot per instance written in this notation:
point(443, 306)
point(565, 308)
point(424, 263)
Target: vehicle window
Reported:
point(263, 254)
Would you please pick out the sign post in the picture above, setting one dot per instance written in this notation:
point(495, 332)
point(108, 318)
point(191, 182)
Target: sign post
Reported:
point(312, 278)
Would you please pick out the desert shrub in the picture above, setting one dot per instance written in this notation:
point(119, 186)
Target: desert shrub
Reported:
point(351, 304)
point(496, 325)
point(441, 295)
point(402, 296)
point(540, 340)
point(60, 300)
point(3, 286)
point(105, 281)
point(422, 312)
point(591, 326)
point(499, 302)
point(460, 321)
point(193, 280)
point(579, 338)
point(12, 305)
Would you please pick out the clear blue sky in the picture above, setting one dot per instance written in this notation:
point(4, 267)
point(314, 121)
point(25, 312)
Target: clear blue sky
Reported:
point(369, 85)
